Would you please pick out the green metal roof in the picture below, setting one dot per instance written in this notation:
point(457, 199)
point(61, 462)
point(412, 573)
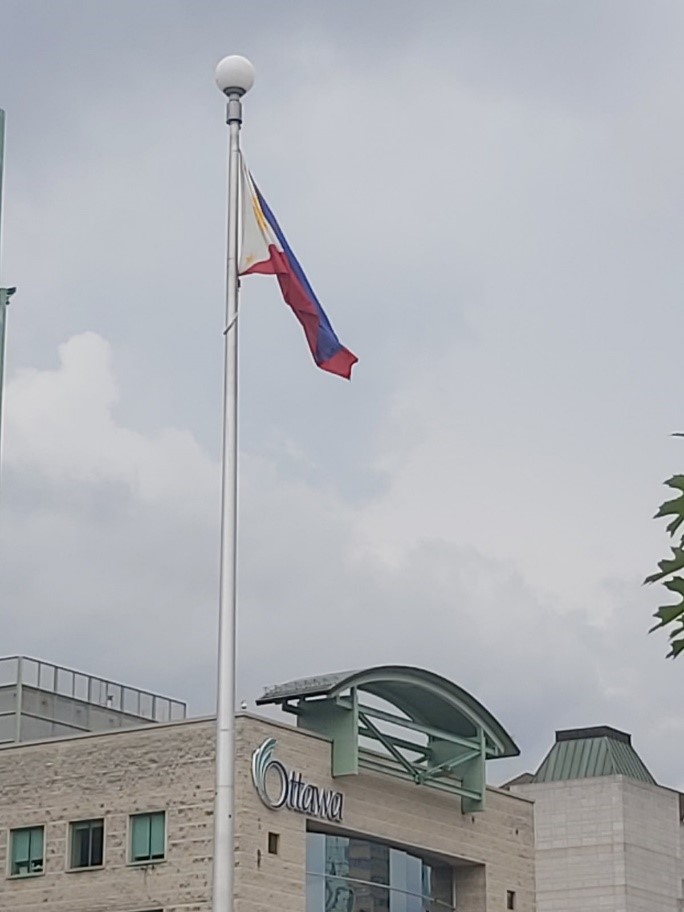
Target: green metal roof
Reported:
point(583, 753)
point(424, 697)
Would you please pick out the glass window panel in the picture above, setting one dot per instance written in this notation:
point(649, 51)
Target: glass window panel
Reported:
point(8, 727)
point(337, 855)
point(8, 698)
point(342, 895)
point(380, 872)
point(371, 899)
point(146, 705)
point(27, 851)
point(79, 846)
point(426, 879)
point(21, 841)
point(442, 884)
point(401, 902)
point(315, 853)
point(157, 835)
point(140, 837)
point(96, 842)
point(9, 671)
point(315, 893)
point(414, 876)
point(367, 876)
point(86, 843)
point(368, 861)
point(398, 899)
point(36, 848)
point(29, 672)
point(81, 687)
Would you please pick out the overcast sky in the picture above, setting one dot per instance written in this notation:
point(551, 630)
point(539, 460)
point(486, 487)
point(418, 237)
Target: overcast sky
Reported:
point(489, 200)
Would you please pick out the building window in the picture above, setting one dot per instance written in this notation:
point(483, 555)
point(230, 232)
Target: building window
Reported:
point(273, 843)
point(358, 874)
point(86, 843)
point(510, 899)
point(26, 851)
point(147, 837)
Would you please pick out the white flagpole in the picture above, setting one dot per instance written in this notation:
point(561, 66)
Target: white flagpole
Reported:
point(5, 293)
point(4, 297)
point(234, 77)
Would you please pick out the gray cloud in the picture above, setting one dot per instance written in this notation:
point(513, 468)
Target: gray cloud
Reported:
point(486, 197)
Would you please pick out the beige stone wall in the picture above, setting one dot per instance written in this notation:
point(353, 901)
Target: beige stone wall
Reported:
point(171, 768)
point(167, 768)
point(606, 844)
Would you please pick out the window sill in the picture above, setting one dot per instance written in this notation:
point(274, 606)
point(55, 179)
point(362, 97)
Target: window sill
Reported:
point(25, 876)
point(147, 863)
point(86, 868)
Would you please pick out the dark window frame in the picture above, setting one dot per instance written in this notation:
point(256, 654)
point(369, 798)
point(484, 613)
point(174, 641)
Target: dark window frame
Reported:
point(273, 843)
point(74, 827)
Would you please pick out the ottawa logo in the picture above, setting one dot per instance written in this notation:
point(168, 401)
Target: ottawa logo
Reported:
point(279, 787)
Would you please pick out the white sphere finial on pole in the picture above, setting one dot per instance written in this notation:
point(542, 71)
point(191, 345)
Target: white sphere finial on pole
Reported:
point(234, 75)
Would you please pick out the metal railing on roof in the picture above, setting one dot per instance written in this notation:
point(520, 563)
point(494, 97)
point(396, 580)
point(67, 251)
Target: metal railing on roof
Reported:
point(91, 689)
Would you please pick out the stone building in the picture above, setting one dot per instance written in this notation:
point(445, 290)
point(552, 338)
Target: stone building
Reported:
point(374, 800)
point(608, 837)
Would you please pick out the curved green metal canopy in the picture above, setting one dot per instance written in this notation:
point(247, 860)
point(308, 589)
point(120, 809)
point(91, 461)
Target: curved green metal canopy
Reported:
point(423, 696)
point(461, 734)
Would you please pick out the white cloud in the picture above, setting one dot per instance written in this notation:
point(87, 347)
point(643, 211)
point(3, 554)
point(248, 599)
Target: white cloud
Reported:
point(500, 239)
point(108, 542)
point(62, 424)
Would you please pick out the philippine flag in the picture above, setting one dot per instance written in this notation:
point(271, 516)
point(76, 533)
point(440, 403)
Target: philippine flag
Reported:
point(264, 250)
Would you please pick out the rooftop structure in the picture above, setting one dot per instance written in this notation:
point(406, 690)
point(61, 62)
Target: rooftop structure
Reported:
point(40, 700)
point(583, 753)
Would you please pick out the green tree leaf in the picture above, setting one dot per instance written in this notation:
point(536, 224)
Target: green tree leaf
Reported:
point(668, 566)
point(673, 507)
point(668, 615)
point(677, 646)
